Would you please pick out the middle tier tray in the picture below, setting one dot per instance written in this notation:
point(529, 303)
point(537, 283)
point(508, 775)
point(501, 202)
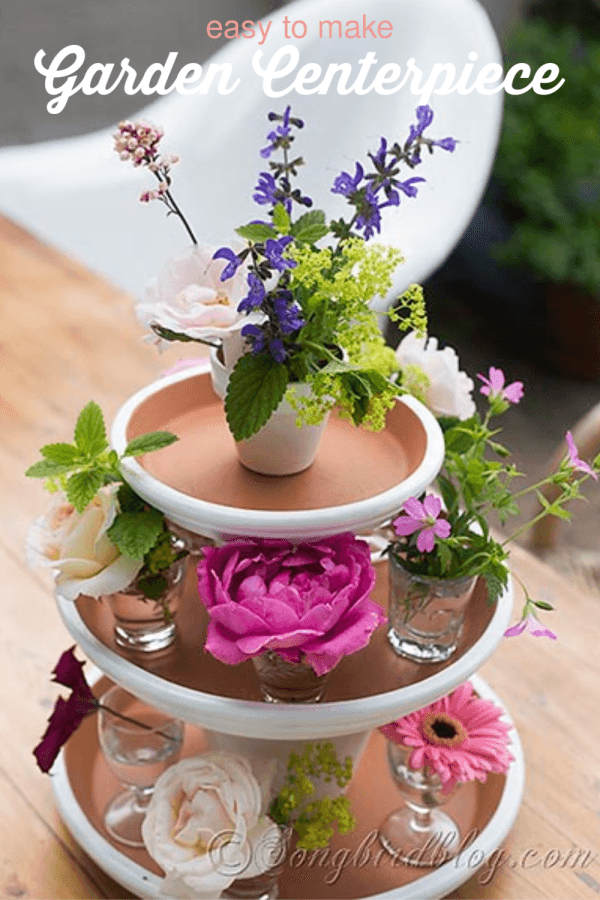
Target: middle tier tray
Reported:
point(367, 689)
point(359, 479)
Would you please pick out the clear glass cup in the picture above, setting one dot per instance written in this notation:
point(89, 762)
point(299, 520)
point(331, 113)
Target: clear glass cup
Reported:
point(139, 743)
point(419, 833)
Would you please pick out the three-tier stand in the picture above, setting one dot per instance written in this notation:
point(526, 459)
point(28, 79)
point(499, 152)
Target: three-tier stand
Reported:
point(359, 481)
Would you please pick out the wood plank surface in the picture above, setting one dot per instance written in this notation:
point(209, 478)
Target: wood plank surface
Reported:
point(68, 337)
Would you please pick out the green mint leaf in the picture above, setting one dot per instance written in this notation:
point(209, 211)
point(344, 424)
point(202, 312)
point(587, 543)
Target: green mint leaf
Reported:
point(83, 487)
point(64, 454)
point(310, 227)
point(281, 220)
point(129, 501)
point(148, 443)
point(256, 232)
point(135, 533)
point(46, 468)
point(153, 587)
point(90, 431)
point(255, 390)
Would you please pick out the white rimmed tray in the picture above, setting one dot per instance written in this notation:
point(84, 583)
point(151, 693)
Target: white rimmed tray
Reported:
point(489, 809)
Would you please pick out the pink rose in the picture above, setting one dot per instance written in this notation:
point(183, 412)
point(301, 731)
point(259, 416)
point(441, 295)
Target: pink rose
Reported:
point(309, 603)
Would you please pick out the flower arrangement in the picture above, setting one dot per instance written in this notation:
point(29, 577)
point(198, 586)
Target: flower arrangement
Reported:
point(304, 317)
point(98, 536)
point(459, 738)
point(450, 538)
point(308, 603)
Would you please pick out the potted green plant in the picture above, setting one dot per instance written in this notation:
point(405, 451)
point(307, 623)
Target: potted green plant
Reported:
point(548, 170)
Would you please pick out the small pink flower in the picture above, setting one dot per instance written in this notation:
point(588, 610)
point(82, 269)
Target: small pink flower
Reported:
point(494, 387)
point(460, 737)
point(579, 464)
point(530, 623)
point(423, 517)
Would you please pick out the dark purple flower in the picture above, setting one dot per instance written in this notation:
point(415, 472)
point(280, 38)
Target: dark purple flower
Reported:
point(255, 295)
point(277, 350)
point(265, 189)
point(234, 262)
point(274, 253)
point(424, 120)
point(282, 131)
point(67, 715)
point(346, 185)
point(448, 144)
point(256, 337)
point(379, 157)
point(369, 216)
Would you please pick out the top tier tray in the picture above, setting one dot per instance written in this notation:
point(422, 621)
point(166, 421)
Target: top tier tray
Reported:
point(358, 481)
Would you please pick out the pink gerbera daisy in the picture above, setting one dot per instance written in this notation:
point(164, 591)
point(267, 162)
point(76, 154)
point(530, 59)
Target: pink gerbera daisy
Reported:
point(460, 737)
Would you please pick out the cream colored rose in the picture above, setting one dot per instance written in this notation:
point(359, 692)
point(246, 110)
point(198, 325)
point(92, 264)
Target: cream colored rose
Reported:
point(76, 546)
point(189, 297)
point(434, 377)
point(206, 826)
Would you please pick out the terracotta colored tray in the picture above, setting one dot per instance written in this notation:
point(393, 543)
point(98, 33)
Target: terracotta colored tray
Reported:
point(484, 812)
point(359, 479)
point(367, 689)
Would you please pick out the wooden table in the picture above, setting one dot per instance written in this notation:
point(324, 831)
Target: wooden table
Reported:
point(68, 337)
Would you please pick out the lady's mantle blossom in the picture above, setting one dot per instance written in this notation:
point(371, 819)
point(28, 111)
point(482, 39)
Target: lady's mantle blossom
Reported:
point(493, 387)
point(309, 603)
point(423, 517)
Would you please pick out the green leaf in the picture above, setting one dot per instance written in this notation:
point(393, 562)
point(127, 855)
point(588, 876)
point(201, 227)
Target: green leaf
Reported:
point(541, 604)
point(90, 431)
point(148, 443)
point(129, 501)
point(281, 220)
point(153, 587)
point(256, 232)
point(310, 227)
point(83, 487)
point(45, 468)
point(135, 533)
point(494, 585)
point(255, 390)
point(64, 454)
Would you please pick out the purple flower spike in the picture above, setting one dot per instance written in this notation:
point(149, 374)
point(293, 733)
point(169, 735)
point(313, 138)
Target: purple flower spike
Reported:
point(530, 623)
point(345, 185)
point(256, 337)
point(234, 262)
point(493, 387)
point(408, 187)
point(424, 518)
point(277, 350)
point(579, 464)
point(265, 189)
point(424, 120)
point(369, 217)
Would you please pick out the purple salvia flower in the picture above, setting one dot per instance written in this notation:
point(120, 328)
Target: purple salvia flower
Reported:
point(448, 143)
point(379, 157)
point(234, 262)
point(277, 350)
point(265, 189)
point(408, 187)
point(424, 120)
point(255, 295)
point(256, 337)
point(289, 314)
point(274, 253)
point(346, 185)
point(369, 217)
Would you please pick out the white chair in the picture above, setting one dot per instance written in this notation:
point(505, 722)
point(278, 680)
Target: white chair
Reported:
point(78, 196)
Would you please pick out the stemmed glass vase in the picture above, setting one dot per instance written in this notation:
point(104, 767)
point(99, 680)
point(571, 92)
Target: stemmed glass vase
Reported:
point(138, 743)
point(418, 834)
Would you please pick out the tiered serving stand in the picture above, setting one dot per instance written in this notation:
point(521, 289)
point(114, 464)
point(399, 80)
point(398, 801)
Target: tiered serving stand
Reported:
point(358, 481)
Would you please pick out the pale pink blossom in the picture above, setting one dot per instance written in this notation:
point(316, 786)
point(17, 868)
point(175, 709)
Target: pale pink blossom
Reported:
point(579, 464)
point(424, 518)
point(530, 623)
point(494, 387)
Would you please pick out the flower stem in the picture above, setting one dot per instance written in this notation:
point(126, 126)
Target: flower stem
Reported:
point(133, 721)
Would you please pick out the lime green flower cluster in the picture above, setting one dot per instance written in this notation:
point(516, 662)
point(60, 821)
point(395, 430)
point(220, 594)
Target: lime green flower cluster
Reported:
point(314, 820)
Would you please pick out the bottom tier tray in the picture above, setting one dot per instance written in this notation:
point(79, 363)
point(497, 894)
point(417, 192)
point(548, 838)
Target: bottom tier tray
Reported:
point(484, 812)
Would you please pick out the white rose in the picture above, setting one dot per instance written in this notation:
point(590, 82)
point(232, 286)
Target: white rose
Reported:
point(189, 297)
point(205, 826)
point(76, 546)
point(445, 390)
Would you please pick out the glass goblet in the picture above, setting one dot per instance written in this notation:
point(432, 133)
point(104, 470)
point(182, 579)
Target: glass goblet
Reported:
point(418, 834)
point(139, 743)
